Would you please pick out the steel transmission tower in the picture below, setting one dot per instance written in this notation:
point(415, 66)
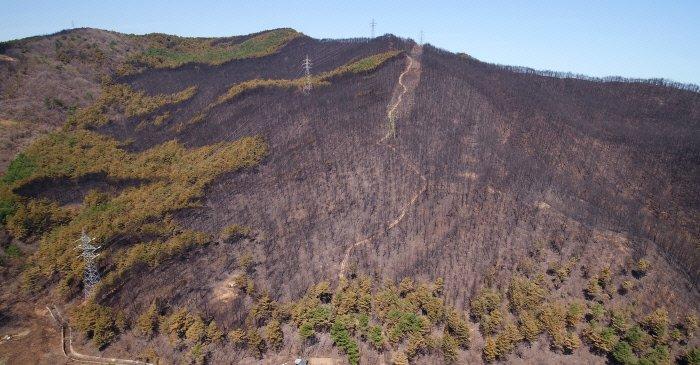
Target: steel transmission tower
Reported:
point(307, 74)
point(372, 24)
point(90, 276)
point(421, 37)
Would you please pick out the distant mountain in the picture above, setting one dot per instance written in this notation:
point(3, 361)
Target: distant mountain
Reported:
point(389, 203)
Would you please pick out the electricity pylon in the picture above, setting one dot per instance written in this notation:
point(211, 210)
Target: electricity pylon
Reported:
point(307, 74)
point(90, 275)
point(372, 24)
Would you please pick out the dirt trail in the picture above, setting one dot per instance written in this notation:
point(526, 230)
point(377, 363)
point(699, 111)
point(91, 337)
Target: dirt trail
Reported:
point(401, 105)
point(71, 354)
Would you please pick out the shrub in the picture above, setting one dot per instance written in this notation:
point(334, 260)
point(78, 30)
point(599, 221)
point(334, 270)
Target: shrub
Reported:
point(236, 337)
point(601, 339)
point(575, 313)
point(341, 338)
point(8, 203)
point(35, 217)
point(622, 353)
point(484, 308)
point(234, 232)
point(95, 198)
point(638, 339)
point(458, 327)
point(13, 251)
point(263, 308)
point(399, 358)
point(692, 356)
point(375, 337)
point(255, 342)
point(657, 324)
point(525, 294)
point(97, 322)
point(597, 311)
point(20, 168)
point(490, 323)
point(306, 331)
point(690, 325)
point(507, 339)
point(641, 268)
point(571, 342)
point(490, 351)
point(402, 324)
point(197, 354)
point(626, 286)
point(659, 355)
point(196, 330)
point(553, 317)
point(449, 348)
point(245, 261)
point(273, 334)
point(213, 333)
point(416, 345)
point(593, 289)
point(529, 326)
point(620, 320)
point(147, 323)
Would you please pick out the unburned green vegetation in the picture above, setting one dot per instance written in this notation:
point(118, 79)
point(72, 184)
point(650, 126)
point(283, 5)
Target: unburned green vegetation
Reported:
point(120, 98)
point(533, 311)
point(167, 51)
point(386, 317)
point(99, 323)
point(366, 64)
point(363, 65)
point(174, 178)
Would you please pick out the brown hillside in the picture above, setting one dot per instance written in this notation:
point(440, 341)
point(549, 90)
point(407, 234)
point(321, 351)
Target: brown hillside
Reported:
point(459, 175)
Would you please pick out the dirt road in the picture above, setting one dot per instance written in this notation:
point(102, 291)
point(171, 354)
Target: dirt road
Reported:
point(413, 68)
point(71, 354)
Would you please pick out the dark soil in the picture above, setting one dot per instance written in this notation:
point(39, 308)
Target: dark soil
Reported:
point(68, 191)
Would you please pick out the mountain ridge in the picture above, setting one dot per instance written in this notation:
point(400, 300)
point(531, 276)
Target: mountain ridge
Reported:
point(540, 194)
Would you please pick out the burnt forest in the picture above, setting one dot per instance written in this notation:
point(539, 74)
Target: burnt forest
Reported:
point(267, 197)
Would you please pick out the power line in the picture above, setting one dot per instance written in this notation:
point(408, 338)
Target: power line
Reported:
point(372, 24)
point(90, 275)
point(307, 74)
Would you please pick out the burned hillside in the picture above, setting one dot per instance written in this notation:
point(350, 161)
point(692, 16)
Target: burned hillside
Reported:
point(414, 203)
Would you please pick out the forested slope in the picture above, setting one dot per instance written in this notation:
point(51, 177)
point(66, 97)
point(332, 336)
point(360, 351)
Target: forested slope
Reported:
point(503, 216)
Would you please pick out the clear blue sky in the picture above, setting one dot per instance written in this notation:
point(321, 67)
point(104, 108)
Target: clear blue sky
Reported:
point(599, 38)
